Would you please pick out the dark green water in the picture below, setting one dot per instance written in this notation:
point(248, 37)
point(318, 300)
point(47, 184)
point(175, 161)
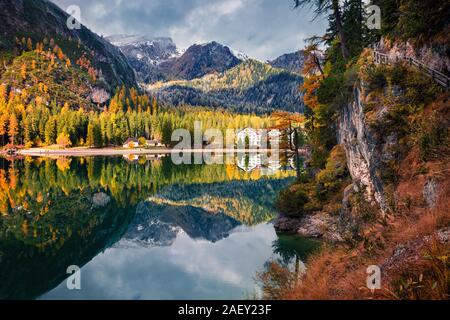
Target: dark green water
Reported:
point(141, 229)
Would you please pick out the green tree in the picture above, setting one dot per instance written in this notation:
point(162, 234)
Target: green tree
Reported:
point(167, 133)
point(94, 135)
point(90, 135)
point(323, 7)
point(50, 131)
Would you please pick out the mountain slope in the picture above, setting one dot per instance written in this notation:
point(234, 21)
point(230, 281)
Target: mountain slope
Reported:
point(39, 19)
point(50, 81)
point(145, 54)
point(251, 86)
point(292, 62)
point(200, 60)
point(159, 59)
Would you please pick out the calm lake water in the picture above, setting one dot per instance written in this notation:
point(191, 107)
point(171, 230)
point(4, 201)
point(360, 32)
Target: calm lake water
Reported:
point(139, 228)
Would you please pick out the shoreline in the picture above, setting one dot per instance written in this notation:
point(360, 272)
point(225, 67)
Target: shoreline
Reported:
point(83, 152)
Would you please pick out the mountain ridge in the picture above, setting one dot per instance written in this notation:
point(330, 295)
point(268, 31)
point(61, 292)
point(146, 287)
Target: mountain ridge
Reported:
point(39, 19)
point(292, 62)
point(251, 86)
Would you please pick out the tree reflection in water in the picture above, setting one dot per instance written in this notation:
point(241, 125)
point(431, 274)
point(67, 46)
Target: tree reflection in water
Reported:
point(66, 211)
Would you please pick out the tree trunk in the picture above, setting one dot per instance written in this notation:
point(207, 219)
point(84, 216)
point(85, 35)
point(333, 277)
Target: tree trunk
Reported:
point(319, 67)
point(290, 136)
point(297, 155)
point(340, 30)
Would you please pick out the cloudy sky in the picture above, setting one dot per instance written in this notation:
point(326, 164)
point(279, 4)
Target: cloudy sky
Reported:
point(263, 29)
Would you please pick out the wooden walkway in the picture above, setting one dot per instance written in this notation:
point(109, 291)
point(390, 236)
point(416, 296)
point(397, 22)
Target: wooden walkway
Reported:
point(437, 76)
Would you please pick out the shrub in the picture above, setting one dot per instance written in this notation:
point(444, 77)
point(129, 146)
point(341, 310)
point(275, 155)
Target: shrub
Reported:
point(420, 89)
point(292, 201)
point(398, 75)
point(332, 178)
point(433, 137)
point(142, 142)
point(375, 78)
point(326, 93)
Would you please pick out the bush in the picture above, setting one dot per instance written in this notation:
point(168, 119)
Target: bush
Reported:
point(376, 78)
point(433, 137)
point(398, 75)
point(292, 201)
point(142, 142)
point(335, 174)
point(420, 89)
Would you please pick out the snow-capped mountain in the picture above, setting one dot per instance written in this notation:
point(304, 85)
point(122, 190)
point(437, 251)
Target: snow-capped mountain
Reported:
point(156, 225)
point(158, 58)
point(146, 53)
point(188, 77)
point(155, 50)
point(240, 55)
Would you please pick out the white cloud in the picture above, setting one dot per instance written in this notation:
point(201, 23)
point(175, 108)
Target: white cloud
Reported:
point(263, 29)
point(189, 269)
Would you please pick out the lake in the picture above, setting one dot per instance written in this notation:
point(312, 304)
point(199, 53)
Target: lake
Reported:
point(139, 228)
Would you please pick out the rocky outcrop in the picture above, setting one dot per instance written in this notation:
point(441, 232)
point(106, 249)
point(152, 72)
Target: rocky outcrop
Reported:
point(362, 149)
point(411, 252)
point(430, 193)
point(100, 200)
point(434, 56)
point(319, 225)
point(366, 154)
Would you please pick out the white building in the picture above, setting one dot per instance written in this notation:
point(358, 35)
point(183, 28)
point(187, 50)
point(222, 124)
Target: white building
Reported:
point(254, 138)
point(274, 138)
point(257, 138)
point(154, 143)
point(249, 162)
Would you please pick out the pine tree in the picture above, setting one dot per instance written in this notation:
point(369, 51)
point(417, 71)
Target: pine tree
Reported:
point(94, 135)
point(90, 135)
point(50, 132)
point(29, 45)
point(3, 120)
point(23, 71)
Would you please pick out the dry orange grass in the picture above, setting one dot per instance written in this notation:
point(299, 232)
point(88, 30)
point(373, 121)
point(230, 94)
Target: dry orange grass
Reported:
point(421, 273)
point(414, 262)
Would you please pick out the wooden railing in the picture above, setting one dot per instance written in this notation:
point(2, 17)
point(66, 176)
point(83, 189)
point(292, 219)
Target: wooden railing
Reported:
point(439, 77)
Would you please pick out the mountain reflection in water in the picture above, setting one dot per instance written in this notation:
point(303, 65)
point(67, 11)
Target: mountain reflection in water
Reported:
point(140, 230)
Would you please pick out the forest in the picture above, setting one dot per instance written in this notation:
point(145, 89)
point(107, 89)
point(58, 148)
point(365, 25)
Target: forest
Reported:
point(47, 99)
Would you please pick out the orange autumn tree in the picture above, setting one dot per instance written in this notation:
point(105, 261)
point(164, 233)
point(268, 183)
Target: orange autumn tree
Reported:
point(3, 123)
point(313, 75)
point(23, 71)
point(287, 122)
point(291, 126)
point(63, 140)
point(13, 127)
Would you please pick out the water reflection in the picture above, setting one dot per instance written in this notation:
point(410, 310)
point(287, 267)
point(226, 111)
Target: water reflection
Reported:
point(144, 229)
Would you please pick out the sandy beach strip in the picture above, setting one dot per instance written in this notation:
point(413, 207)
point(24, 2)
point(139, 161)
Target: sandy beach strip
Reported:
point(87, 152)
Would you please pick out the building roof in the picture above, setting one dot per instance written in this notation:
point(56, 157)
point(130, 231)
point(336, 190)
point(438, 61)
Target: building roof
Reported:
point(129, 140)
